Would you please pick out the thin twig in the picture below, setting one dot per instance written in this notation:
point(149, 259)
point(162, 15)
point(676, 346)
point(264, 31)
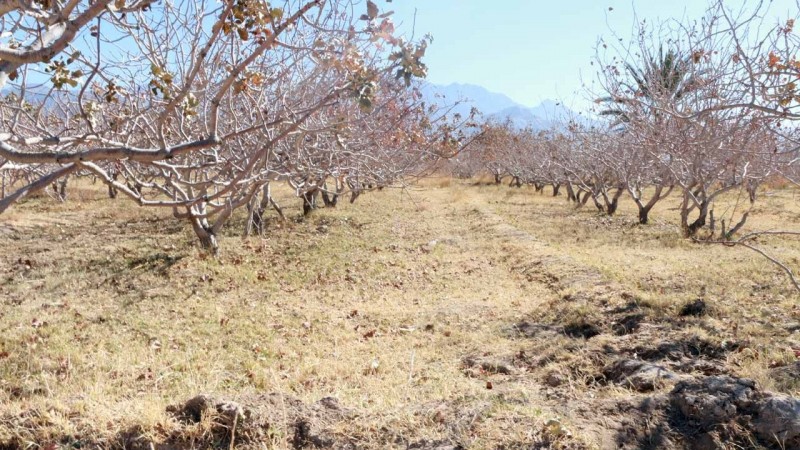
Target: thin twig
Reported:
point(743, 241)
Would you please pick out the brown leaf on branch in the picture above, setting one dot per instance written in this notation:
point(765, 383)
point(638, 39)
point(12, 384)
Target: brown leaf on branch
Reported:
point(372, 10)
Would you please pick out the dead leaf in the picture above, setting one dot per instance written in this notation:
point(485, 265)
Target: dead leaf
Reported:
point(155, 344)
point(372, 9)
point(147, 375)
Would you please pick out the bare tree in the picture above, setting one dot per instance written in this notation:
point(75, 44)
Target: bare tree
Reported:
point(188, 105)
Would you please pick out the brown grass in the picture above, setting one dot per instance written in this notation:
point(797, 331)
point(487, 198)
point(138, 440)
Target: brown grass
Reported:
point(110, 313)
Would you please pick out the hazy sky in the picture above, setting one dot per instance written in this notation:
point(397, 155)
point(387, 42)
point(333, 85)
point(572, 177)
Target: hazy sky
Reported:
point(532, 50)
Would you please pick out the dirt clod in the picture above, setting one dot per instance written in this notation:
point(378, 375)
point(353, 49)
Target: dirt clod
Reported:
point(488, 364)
point(434, 445)
point(628, 324)
point(194, 409)
point(554, 379)
point(537, 330)
point(583, 330)
point(712, 401)
point(787, 378)
point(694, 308)
point(255, 419)
point(639, 375)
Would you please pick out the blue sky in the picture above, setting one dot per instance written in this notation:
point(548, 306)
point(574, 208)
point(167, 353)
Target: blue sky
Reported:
point(533, 50)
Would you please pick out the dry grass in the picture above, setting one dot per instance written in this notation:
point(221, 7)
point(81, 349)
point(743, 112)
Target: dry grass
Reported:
point(110, 314)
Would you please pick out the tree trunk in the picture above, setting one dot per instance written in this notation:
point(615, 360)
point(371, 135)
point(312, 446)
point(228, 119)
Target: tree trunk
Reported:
point(644, 215)
point(329, 199)
point(644, 209)
point(497, 179)
point(60, 189)
point(310, 201)
point(691, 229)
point(556, 187)
point(611, 206)
point(255, 211)
point(112, 191)
point(206, 236)
point(752, 191)
point(571, 197)
point(694, 227)
point(581, 201)
point(255, 222)
point(597, 203)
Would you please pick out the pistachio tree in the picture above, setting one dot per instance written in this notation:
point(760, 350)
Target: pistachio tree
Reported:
point(190, 105)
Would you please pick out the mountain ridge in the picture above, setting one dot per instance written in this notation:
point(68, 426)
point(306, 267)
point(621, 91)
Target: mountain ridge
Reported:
point(496, 106)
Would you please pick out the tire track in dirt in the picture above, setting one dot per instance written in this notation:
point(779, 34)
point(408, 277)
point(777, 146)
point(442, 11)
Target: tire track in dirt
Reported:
point(540, 262)
point(552, 332)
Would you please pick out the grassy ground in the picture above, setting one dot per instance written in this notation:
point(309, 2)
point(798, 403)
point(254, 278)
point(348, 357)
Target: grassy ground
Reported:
point(438, 314)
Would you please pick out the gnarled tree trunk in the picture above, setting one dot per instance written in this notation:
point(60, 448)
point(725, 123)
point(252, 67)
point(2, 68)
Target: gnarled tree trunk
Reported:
point(330, 199)
point(690, 228)
point(112, 190)
point(205, 234)
point(256, 209)
point(60, 188)
point(571, 196)
point(644, 209)
point(310, 201)
point(611, 204)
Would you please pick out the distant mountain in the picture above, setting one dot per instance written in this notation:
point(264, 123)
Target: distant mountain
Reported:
point(488, 102)
point(495, 106)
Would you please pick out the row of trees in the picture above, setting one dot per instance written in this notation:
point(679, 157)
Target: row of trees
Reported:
point(198, 105)
point(700, 109)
